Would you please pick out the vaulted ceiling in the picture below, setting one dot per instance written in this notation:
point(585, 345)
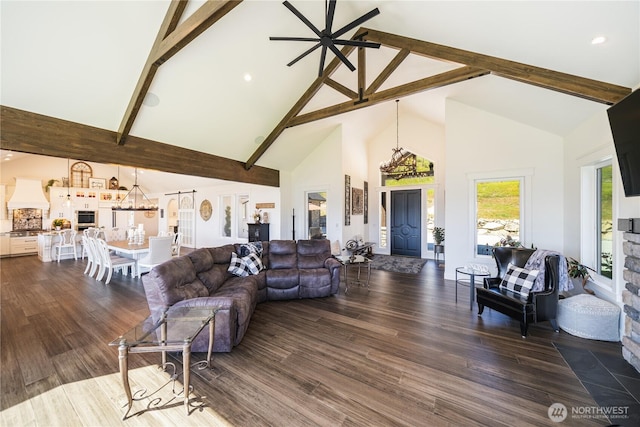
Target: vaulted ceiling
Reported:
point(82, 61)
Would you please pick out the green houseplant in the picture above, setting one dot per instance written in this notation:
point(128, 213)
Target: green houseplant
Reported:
point(577, 270)
point(58, 223)
point(50, 183)
point(438, 235)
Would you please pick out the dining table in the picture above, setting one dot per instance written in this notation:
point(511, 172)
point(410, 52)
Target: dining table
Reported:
point(130, 250)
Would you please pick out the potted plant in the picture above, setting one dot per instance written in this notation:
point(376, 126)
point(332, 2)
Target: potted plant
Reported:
point(575, 270)
point(438, 235)
point(58, 223)
point(438, 238)
point(50, 183)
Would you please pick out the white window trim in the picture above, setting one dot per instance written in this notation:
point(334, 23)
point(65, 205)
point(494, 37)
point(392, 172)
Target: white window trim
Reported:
point(588, 219)
point(525, 176)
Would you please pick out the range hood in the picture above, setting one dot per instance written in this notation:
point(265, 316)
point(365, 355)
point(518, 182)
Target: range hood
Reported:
point(28, 194)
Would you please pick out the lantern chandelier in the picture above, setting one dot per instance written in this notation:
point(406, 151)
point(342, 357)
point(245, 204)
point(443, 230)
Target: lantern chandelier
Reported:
point(130, 201)
point(403, 164)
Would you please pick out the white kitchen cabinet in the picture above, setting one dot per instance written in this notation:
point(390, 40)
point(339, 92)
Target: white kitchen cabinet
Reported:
point(57, 199)
point(5, 244)
point(24, 245)
point(3, 202)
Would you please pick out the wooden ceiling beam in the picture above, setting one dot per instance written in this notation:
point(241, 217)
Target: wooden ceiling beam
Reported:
point(582, 87)
point(170, 40)
point(297, 107)
point(473, 65)
point(33, 133)
point(341, 88)
point(388, 70)
point(432, 82)
point(203, 18)
point(170, 22)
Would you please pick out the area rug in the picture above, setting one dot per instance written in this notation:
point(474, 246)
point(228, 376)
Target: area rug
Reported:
point(397, 264)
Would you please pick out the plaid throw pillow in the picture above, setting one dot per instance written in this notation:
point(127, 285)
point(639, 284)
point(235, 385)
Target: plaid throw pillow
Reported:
point(250, 248)
point(245, 266)
point(519, 280)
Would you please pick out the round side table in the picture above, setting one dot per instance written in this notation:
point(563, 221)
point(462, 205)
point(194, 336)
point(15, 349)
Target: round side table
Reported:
point(472, 281)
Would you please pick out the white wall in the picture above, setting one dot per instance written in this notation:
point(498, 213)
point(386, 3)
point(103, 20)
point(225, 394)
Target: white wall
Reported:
point(320, 171)
point(481, 144)
point(354, 164)
point(588, 144)
point(209, 233)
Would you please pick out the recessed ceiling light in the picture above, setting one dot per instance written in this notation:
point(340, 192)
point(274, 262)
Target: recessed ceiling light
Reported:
point(598, 40)
point(247, 77)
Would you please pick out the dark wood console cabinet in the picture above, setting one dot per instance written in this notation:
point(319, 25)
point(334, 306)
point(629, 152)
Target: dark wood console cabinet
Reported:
point(258, 232)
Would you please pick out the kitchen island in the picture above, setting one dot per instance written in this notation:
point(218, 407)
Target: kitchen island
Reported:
point(48, 240)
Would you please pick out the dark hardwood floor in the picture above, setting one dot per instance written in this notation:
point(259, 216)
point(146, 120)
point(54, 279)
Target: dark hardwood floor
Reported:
point(403, 354)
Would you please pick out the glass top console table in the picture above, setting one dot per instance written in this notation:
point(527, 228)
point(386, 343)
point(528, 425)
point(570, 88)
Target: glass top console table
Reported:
point(355, 260)
point(173, 331)
point(471, 273)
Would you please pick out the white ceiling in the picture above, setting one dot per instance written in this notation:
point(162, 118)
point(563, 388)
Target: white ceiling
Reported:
point(80, 61)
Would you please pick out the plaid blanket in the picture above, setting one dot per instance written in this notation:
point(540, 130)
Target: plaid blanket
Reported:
point(536, 262)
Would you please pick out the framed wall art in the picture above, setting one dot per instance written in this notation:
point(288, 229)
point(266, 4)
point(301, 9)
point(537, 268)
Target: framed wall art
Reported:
point(347, 200)
point(366, 202)
point(357, 201)
point(99, 183)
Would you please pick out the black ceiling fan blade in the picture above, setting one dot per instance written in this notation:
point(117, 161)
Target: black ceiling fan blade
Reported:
point(342, 58)
point(296, 39)
point(330, 12)
point(356, 43)
point(355, 23)
point(305, 53)
point(302, 18)
point(323, 56)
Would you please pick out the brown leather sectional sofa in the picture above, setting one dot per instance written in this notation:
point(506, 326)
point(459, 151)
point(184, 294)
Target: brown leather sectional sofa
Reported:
point(302, 269)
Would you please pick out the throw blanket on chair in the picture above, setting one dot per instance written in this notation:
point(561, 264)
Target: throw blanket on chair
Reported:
point(536, 262)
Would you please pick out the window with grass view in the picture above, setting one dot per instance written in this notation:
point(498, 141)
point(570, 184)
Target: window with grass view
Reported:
point(605, 220)
point(498, 214)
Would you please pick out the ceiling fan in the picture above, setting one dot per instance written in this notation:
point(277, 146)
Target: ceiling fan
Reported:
point(328, 39)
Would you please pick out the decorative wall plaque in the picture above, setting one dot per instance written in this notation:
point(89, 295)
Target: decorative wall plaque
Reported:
point(206, 210)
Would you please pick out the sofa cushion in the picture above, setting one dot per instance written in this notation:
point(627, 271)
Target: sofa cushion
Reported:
point(176, 280)
point(201, 259)
point(313, 253)
point(282, 254)
point(214, 277)
point(283, 278)
point(518, 280)
point(245, 266)
point(222, 254)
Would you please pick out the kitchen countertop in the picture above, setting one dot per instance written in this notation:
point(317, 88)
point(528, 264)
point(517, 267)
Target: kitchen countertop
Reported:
point(25, 233)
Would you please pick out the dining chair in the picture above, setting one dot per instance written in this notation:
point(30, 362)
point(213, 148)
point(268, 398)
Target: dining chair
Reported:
point(88, 232)
point(159, 252)
point(87, 248)
point(112, 262)
point(176, 244)
point(67, 241)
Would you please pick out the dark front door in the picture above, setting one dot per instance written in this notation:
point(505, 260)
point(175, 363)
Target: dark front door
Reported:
point(405, 223)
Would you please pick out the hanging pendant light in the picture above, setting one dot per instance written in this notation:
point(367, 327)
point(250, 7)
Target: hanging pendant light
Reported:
point(131, 204)
point(67, 202)
point(403, 164)
point(397, 157)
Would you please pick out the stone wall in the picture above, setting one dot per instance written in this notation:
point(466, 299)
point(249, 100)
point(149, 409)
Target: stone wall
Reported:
point(631, 299)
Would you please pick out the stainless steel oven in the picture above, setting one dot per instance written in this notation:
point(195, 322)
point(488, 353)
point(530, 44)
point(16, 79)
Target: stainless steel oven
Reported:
point(85, 219)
